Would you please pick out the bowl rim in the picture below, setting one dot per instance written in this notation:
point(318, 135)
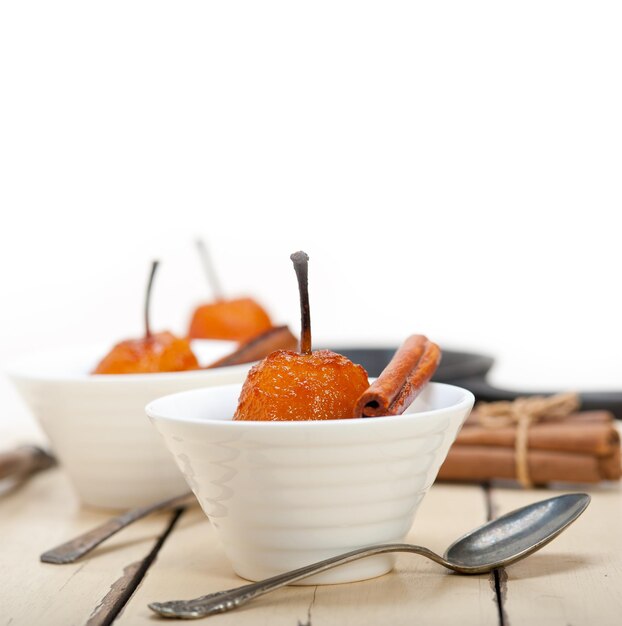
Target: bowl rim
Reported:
point(466, 403)
point(17, 374)
point(23, 368)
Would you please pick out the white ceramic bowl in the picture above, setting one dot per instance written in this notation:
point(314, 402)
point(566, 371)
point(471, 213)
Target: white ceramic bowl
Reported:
point(285, 494)
point(97, 424)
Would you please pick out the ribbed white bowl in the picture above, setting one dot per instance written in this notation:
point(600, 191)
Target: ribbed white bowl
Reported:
point(97, 424)
point(286, 494)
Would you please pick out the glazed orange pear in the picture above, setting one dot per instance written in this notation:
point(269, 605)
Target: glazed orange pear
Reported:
point(155, 352)
point(302, 385)
point(238, 319)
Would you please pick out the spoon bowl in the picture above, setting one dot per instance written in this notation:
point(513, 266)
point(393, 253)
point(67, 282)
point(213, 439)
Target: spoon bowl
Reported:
point(517, 534)
point(498, 543)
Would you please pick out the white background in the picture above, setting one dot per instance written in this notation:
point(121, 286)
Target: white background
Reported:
point(452, 168)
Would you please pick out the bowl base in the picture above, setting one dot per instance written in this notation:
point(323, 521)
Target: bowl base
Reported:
point(370, 567)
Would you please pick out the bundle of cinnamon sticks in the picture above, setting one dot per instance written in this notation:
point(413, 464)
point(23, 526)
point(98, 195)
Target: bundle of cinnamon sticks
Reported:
point(576, 447)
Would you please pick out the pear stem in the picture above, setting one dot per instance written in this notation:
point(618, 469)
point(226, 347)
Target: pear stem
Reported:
point(301, 267)
point(154, 267)
point(209, 269)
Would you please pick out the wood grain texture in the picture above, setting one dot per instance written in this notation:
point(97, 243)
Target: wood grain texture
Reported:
point(192, 563)
point(41, 514)
point(577, 579)
point(113, 602)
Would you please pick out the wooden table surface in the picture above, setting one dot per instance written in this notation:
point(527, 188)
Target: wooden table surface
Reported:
point(576, 580)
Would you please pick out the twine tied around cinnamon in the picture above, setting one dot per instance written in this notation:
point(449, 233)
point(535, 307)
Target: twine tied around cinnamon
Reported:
point(522, 413)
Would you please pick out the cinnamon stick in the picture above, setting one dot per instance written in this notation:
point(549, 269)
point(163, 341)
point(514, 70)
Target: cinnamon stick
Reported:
point(402, 380)
point(572, 435)
point(479, 463)
point(581, 417)
point(260, 346)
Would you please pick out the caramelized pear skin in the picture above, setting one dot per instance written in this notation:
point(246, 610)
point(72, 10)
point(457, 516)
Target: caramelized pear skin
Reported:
point(159, 352)
point(234, 320)
point(288, 386)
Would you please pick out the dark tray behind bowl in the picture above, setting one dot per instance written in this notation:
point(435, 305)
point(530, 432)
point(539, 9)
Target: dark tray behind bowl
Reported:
point(469, 370)
point(454, 365)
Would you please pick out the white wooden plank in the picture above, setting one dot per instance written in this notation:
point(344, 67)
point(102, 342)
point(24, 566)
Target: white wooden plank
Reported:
point(41, 515)
point(577, 579)
point(192, 563)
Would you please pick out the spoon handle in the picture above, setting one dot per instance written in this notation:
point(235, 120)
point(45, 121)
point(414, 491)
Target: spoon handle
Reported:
point(23, 461)
point(223, 601)
point(79, 546)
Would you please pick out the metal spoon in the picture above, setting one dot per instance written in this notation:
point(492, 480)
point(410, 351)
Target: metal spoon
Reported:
point(24, 461)
point(72, 550)
point(498, 543)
